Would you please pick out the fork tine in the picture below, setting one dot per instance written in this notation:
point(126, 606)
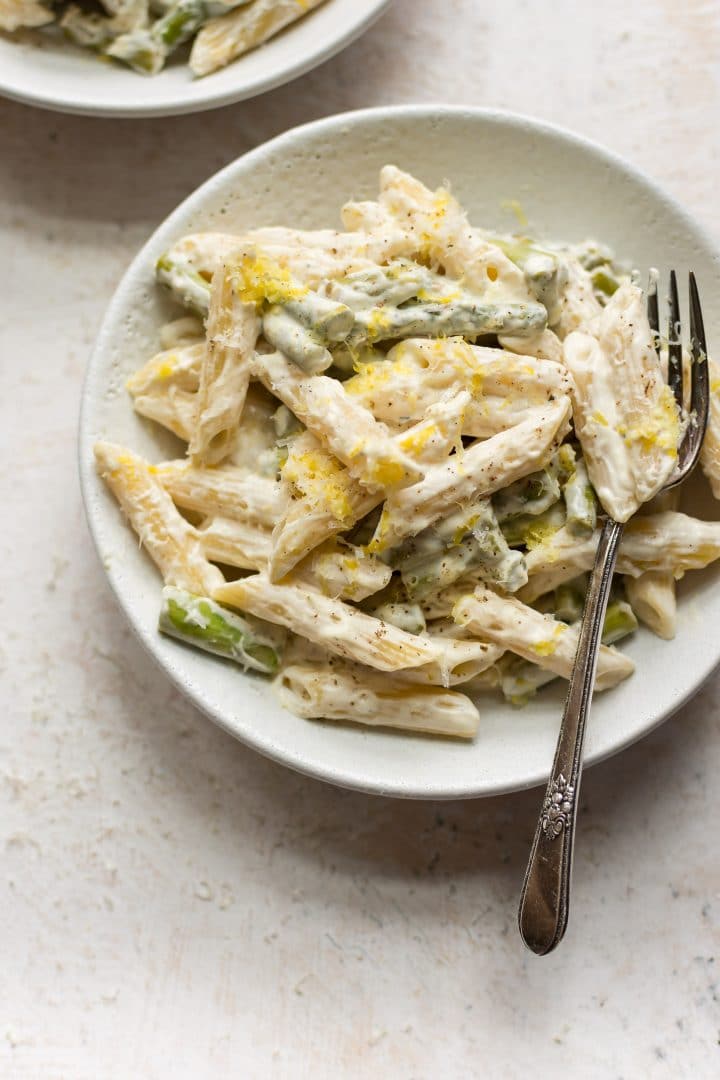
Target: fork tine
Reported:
point(652, 307)
point(675, 365)
point(700, 376)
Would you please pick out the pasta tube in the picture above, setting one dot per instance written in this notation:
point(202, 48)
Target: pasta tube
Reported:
point(16, 14)
point(310, 257)
point(225, 491)
point(348, 430)
point(172, 368)
point(165, 535)
point(225, 38)
point(145, 49)
point(545, 345)
point(545, 641)
point(187, 330)
point(442, 233)
point(502, 386)
point(165, 389)
point(201, 622)
point(341, 692)
point(324, 499)
point(459, 662)
point(232, 331)
point(670, 542)
point(403, 613)
point(478, 471)
point(653, 594)
point(652, 598)
point(624, 412)
point(337, 626)
point(520, 679)
point(245, 544)
point(348, 573)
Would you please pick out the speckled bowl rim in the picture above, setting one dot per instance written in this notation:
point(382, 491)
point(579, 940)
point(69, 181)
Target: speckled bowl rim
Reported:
point(349, 777)
point(217, 92)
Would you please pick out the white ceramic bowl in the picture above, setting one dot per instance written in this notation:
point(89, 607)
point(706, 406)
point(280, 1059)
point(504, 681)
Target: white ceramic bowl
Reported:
point(570, 189)
point(48, 71)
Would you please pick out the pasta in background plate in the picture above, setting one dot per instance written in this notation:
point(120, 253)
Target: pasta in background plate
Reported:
point(143, 34)
point(400, 437)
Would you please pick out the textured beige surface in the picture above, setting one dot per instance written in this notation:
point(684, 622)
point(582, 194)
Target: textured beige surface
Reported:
point(173, 905)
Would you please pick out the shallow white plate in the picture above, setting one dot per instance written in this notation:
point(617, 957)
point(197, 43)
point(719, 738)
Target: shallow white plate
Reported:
point(569, 189)
point(46, 70)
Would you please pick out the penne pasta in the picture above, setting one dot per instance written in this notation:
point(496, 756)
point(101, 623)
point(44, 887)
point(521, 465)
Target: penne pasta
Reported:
point(337, 626)
point(502, 386)
point(478, 471)
point(245, 544)
point(623, 410)
point(232, 331)
point(323, 499)
point(225, 38)
point(164, 534)
point(347, 573)
point(342, 692)
point(348, 429)
point(652, 597)
point(174, 368)
point(225, 491)
point(460, 661)
point(441, 232)
point(670, 542)
point(545, 641)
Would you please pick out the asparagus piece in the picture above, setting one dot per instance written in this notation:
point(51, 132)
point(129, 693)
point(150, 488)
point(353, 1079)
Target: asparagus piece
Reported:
point(520, 680)
point(620, 621)
point(393, 605)
point(303, 330)
point(606, 275)
point(186, 284)
point(533, 494)
point(569, 599)
point(391, 286)
point(546, 272)
point(580, 499)
point(406, 300)
point(605, 282)
point(463, 318)
point(468, 539)
point(146, 49)
point(532, 530)
point(201, 622)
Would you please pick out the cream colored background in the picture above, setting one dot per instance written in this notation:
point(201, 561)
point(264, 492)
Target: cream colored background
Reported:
point(172, 904)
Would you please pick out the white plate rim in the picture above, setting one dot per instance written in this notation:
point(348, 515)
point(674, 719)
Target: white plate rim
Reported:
point(339, 777)
point(78, 106)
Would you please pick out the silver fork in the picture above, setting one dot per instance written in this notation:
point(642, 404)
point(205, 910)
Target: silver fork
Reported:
point(545, 898)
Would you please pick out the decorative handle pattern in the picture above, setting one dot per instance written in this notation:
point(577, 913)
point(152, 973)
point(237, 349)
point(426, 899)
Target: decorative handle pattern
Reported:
point(545, 898)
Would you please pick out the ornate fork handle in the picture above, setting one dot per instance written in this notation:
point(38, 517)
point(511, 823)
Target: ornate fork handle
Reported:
point(545, 895)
